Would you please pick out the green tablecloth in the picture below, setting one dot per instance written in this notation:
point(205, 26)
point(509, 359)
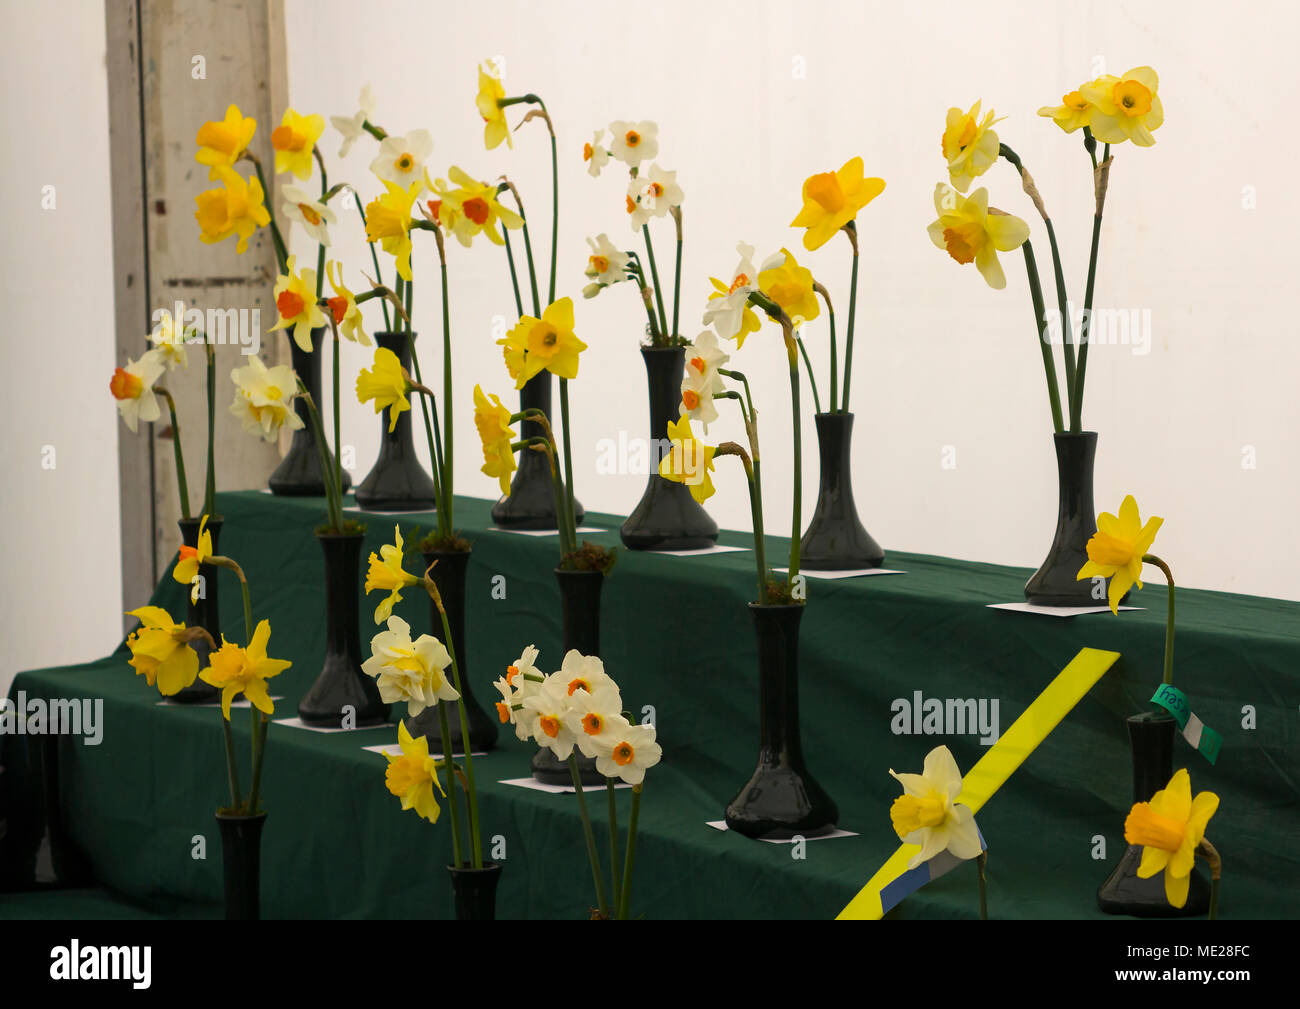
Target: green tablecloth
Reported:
point(676, 635)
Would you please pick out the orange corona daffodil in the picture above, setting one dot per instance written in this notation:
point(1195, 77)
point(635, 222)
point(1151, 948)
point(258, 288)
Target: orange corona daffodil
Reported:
point(295, 301)
point(1125, 108)
point(294, 140)
point(832, 199)
point(1169, 828)
point(972, 232)
point(236, 208)
point(222, 142)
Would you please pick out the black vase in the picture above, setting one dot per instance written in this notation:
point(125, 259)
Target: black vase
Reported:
point(342, 684)
point(397, 481)
point(298, 474)
point(667, 517)
point(835, 539)
point(476, 891)
point(782, 798)
point(1055, 584)
point(531, 502)
point(241, 858)
point(580, 629)
point(206, 613)
point(1152, 736)
point(449, 576)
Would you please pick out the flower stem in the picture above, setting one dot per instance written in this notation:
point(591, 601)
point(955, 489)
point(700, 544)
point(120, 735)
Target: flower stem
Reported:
point(452, 802)
point(334, 506)
point(812, 379)
point(591, 837)
point(181, 485)
point(571, 513)
point(980, 862)
point(625, 898)
point(336, 471)
point(1049, 365)
point(677, 270)
point(850, 229)
point(1207, 851)
point(1085, 333)
point(615, 886)
point(1169, 618)
point(210, 481)
point(654, 276)
point(281, 253)
point(1067, 334)
point(510, 260)
point(445, 515)
point(797, 476)
point(834, 400)
point(232, 766)
point(471, 792)
point(528, 250)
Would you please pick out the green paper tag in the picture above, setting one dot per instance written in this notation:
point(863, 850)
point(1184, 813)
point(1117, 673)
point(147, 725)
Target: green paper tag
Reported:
point(1204, 739)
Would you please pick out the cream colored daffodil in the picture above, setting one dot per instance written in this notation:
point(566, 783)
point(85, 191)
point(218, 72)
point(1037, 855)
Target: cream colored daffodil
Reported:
point(314, 216)
point(264, 398)
point(927, 814)
point(354, 126)
point(410, 671)
point(606, 265)
point(625, 751)
point(633, 143)
point(728, 310)
point(521, 680)
point(170, 341)
point(549, 707)
point(595, 155)
point(401, 160)
point(592, 716)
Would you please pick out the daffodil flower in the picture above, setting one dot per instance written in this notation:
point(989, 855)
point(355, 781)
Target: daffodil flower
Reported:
point(625, 751)
point(688, 461)
point(969, 145)
point(701, 381)
point(313, 215)
point(190, 559)
point(637, 215)
point(352, 127)
point(401, 159)
point(652, 195)
point(790, 285)
point(169, 341)
point(294, 140)
point(222, 142)
point(833, 199)
point(410, 671)
point(1074, 112)
point(549, 706)
point(343, 306)
point(237, 208)
point(236, 671)
point(927, 815)
point(520, 681)
point(387, 385)
point(412, 776)
point(161, 652)
point(592, 718)
point(972, 232)
point(264, 398)
point(387, 575)
point(728, 309)
point(548, 343)
point(388, 222)
point(472, 209)
point(596, 156)
point(492, 420)
point(295, 301)
point(633, 143)
point(1116, 549)
point(488, 101)
point(1125, 108)
point(1169, 828)
point(580, 672)
point(132, 387)
point(605, 266)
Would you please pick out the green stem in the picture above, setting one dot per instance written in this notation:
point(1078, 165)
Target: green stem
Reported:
point(834, 363)
point(980, 862)
point(281, 252)
point(181, 485)
point(656, 339)
point(677, 270)
point(453, 805)
point(555, 202)
point(471, 791)
point(615, 885)
point(445, 516)
point(592, 855)
point(654, 275)
point(528, 251)
point(210, 481)
point(812, 380)
point(1067, 335)
point(756, 513)
point(232, 766)
point(374, 258)
point(570, 512)
point(1169, 618)
point(797, 475)
point(625, 898)
point(1049, 365)
point(334, 506)
point(337, 468)
point(850, 229)
point(1085, 332)
point(510, 259)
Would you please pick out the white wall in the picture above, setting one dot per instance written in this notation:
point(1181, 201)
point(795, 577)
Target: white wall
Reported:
point(61, 596)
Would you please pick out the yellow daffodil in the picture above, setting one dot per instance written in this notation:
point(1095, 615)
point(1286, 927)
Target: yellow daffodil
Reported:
point(969, 145)
point(343, 306)
point(132, 387)
point(832, 199)
point(1169, 828)
point(387, 575)
point(689, 461)
point(472, 209)
point(927, 815)
point(161, 652)
point(1116, 549)
point(1125, 108)
point(186, 570)
point(294, 140)
point(222, 142)
point(237, 208)
point(388, 221)
point(264, 398)
point(547, 343)
point(1075, 111)
point(245, 671)
point(791, 286)
point(387, 384)
point(490, 93)
point(295, 301)
point(412, 776)
point(971, 231)
point(493, 423)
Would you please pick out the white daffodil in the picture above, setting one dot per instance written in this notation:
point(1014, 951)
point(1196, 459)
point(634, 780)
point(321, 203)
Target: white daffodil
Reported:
point(549, 707)
point(606, 265)
point(637, 213)
point(132, 387)
point(170, 342)
point(697, 399)
point(660, 191)
point(264, 398)
point(728, 306)
point(520, 682)
point(410, 671)
point(633, 143)
point(311, 214)
point(402, 159)
point(591, 715)
point(352, 127)
point(703, 359)
point(625, 750)
point(581, 672)
point(925, 814)
point(596, 156)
